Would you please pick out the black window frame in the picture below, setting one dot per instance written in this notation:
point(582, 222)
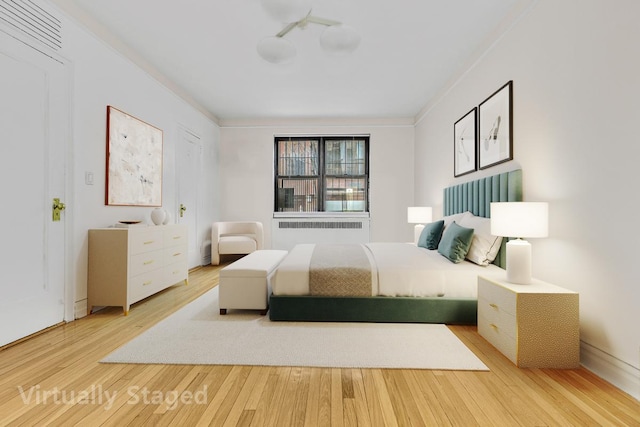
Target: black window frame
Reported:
point(321, 176)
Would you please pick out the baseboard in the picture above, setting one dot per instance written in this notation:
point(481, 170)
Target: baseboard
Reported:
point(615, 371)
point(80, 308)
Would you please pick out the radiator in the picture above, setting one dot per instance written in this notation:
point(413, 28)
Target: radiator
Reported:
point(288, 232)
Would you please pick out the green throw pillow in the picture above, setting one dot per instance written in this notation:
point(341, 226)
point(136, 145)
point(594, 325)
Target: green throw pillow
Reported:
point(431, 234)
point(455, 242)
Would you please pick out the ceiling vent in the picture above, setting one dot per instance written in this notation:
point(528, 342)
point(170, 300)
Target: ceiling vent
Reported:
point(31, 20)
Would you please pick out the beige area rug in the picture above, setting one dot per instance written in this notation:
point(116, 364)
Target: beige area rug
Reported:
point(197, 334)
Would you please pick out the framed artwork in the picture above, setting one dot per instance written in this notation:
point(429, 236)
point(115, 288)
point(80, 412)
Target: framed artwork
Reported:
point(496, 127)
point(465, 137)
point(134, 161)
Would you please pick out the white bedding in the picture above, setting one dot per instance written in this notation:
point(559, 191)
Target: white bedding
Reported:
point(399, 269)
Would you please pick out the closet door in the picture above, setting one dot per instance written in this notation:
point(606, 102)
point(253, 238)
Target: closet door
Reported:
point(188, 166)
point(33, 133)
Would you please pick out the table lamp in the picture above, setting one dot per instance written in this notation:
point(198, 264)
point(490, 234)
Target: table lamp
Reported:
point(418, 215)
point(519, 219)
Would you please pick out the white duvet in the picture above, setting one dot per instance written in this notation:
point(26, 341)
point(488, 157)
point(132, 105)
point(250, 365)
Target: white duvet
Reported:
point(399, 269)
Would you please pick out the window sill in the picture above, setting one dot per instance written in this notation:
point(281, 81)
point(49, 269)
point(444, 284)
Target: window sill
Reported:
point(321, 215)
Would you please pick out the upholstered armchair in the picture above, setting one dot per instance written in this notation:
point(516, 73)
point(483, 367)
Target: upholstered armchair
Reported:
point(235, 237)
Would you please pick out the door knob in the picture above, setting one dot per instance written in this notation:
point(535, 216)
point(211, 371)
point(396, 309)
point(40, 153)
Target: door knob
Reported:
point(58, 207)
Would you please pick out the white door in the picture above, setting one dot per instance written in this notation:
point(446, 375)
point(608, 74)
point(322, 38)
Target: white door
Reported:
point(189, 153)
point(33, 131)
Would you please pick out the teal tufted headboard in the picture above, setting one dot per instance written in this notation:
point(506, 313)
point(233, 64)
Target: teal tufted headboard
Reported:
point(476, 197)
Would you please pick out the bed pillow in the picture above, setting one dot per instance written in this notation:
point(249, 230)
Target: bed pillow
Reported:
point(484, 246)
point(455, 217)
point(455, 242)
point(431, 234)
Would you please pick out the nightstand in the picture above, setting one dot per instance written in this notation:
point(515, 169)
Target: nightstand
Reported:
point(535, 326)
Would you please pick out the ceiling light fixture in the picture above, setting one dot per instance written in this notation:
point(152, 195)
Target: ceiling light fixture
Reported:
point(337, 38)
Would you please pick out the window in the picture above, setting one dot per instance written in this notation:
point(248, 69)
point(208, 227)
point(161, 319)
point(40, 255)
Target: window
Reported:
point(322, 174)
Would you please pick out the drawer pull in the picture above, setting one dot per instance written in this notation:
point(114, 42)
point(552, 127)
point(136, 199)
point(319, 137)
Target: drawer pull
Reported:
point(492, 305)
point(147, 283)
point(176, 272)
point(493, 326)
point(177, 254)
point(177, 237)
point(148, 262)
point(148, 242)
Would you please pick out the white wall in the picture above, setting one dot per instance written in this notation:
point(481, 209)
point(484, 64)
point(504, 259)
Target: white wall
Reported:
point(101, 77)
point(576, 73)
point(247, 161)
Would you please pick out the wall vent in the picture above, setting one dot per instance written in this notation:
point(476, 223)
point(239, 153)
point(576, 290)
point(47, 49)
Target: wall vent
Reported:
point(320, 224)
point(29, 19)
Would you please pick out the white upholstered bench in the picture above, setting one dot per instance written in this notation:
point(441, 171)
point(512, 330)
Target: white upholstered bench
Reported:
point(246, 283)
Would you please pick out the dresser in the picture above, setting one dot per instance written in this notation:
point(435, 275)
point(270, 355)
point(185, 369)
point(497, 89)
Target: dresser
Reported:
point(535, 326)
point(127, 265)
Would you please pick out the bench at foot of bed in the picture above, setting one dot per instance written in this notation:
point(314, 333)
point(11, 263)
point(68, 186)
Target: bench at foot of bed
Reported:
point(244, 284)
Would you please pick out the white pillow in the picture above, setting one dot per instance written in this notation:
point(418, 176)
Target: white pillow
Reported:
point(484, 245)
point(455, 217)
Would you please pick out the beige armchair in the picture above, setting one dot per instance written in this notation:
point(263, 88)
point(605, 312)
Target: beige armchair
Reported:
point(235, 237)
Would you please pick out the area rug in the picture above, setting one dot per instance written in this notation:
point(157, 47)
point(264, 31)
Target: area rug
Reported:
point(197, 334)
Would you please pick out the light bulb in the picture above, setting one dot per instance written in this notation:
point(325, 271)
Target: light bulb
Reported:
point(276, 50)
point(287, 11)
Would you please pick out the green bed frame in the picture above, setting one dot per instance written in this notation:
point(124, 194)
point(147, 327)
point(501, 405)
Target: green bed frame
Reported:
point(475, 196)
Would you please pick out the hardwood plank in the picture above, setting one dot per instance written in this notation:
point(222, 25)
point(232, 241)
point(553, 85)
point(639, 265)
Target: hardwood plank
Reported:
point(337, 407)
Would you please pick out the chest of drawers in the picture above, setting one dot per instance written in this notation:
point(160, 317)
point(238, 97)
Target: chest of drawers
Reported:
point(535, 326)
point(128, 265)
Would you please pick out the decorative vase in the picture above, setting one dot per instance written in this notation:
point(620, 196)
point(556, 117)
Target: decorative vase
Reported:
point(158, 216)
point(167, 217)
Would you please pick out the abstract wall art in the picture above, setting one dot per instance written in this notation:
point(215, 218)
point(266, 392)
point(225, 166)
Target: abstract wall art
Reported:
point(134, 161)
point(496, 127)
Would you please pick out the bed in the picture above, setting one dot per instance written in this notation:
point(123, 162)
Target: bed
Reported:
point(446, 293)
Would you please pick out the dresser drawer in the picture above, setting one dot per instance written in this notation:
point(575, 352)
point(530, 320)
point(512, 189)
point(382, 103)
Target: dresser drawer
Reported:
point(176, 272)
point(145, 262)
point(145, 241)
point(146, 284)
point(498, 297)
point(174, 254)
point(175, 236)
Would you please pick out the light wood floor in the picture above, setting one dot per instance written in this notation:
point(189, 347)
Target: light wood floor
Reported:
point(55, 378)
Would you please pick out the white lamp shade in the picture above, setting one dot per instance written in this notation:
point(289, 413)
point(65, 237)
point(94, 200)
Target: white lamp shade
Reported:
point(419, 215)
point(287, 11)
point(520, 219)
point(276, 50)
point(339, 39)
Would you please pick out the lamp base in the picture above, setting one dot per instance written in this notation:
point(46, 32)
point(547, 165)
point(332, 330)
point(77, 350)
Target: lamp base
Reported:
point(519, 262)
point(417, 231)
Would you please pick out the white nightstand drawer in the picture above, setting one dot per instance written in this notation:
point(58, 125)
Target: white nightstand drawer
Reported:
point(499, 298)
point(501, 319)
point(498, 336)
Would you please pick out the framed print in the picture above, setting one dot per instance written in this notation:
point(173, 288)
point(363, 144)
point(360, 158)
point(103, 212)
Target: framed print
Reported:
point(496, 127)
point(134, 161)
point(464, 144)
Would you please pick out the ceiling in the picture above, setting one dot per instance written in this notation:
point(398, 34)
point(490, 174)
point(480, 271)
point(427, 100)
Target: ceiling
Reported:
point(409, 51)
